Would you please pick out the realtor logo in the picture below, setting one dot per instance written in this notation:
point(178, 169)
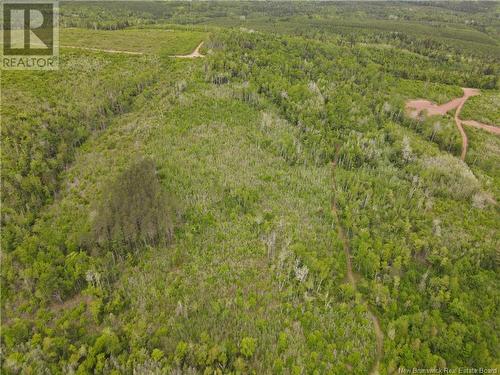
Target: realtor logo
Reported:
point(30, 34)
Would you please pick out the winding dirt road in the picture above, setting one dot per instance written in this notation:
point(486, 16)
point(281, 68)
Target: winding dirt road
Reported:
point(416, 107)
point(379, 336)
point(467, 94)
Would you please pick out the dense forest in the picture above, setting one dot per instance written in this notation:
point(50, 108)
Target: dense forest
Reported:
point(265, 204)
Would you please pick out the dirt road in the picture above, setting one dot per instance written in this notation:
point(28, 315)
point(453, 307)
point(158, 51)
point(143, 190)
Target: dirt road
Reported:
point(379, 336)
point(479, 125)
point(467, 94)
point(192, 55)
point(416, 107)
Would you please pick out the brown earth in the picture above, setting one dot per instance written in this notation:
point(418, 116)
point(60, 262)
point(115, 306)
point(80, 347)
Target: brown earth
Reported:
point(416, 107)
point(476, 124)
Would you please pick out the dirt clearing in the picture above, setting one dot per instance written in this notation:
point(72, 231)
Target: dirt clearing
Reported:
point(416, 107)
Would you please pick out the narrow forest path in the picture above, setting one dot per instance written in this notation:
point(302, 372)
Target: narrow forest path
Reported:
point(192, 55)
point(415, 107)
point(379, 336)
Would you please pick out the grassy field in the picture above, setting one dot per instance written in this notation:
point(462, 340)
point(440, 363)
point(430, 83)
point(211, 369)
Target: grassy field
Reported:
point(157, 41)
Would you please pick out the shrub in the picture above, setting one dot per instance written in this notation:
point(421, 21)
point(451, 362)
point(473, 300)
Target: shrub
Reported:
point(108, 343)
point(135, 210)
point(157, 355)
point(181, 351)
point(248, 345)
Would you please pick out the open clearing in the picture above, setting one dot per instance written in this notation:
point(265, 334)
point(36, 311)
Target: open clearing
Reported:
point(416, 107)
point(192, 55)
point(168, 42)
point(105, 50)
